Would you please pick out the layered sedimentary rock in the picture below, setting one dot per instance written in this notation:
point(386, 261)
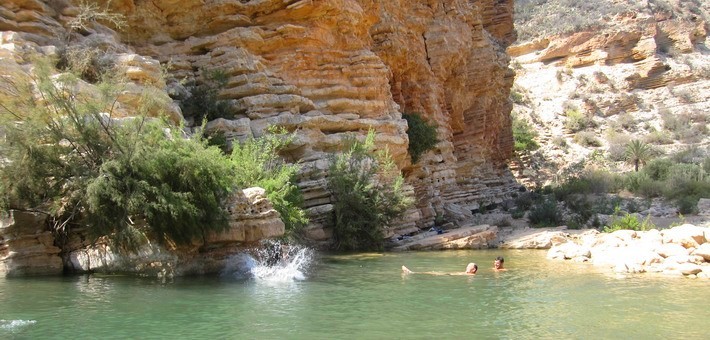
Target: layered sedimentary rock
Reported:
point(27, 246)
point(328, 69)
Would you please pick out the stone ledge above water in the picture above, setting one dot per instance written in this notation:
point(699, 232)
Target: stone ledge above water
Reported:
point(472, 237)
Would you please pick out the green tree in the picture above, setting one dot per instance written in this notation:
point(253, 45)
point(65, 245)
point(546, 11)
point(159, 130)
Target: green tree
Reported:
point(65, 156)
point(367, 195)
point(203, 102)
point(422, 135)
point(637, 153)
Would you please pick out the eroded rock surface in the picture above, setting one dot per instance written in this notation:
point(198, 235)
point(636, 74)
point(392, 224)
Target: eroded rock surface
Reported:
point(632, 74)
point(27, 246)
point(681, 250)
point(470, 237)
point(325, 69)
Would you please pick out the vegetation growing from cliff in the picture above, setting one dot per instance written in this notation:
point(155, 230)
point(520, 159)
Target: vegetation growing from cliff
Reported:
point(367, 195)
point(64, 155)
point(256, 162)
point(422, 135)
point(203, 102)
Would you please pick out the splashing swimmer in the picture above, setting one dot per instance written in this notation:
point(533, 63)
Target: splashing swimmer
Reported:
point(471, 269)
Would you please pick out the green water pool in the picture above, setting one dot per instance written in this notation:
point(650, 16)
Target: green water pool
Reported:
point(365, 296)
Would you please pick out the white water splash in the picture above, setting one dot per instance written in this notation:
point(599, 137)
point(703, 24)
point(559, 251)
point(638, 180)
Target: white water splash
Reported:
point(274, 262)
point(13, 325)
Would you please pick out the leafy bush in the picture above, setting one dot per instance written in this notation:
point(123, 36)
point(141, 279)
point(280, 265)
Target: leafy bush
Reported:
point(686, 184)
point(203, 102)
point(422, 135)
point(257, 163)
point(367, 195)
point(517, 97)
point(67, 158)
point(545, 214)
point(687, 205)
point(587, 138)
point(176, 185)
point(658, 138)
point(560, 142)
point(658, 169)
point(617, 146)
point(524, 136)
point(577, 121)
point(582, 209)
point(525, 200)
point(628, 221)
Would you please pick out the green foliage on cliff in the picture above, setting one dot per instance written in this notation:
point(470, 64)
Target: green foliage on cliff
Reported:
point(176, 184)
point(367, 195)
point(422, 135)
point(203, 102)
point(63, 155)
point(257, 162)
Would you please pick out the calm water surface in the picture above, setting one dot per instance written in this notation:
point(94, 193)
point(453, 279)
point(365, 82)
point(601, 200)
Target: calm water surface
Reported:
point(365, 297)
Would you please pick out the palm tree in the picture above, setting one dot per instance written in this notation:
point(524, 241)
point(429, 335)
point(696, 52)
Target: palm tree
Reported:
point(637, 153)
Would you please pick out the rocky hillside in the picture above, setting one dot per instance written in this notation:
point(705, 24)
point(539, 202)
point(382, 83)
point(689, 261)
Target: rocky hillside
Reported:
point(325, 69)
point(591, 76)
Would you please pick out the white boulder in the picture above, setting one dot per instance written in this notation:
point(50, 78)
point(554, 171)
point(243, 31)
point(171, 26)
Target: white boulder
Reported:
point(687, 235)
point(703, 251)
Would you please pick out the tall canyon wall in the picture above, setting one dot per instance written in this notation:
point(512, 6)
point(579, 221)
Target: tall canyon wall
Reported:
point(325, 69)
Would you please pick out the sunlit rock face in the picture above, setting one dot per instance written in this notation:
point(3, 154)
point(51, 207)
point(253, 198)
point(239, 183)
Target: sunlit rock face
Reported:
point(26, 245)
point(328, 69)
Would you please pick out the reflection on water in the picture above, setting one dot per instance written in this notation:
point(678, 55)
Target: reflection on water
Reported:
point(362, 296)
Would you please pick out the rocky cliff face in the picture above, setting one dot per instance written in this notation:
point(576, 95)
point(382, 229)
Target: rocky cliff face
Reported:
point(643, 72)
point(326, 69)
point(26, 247)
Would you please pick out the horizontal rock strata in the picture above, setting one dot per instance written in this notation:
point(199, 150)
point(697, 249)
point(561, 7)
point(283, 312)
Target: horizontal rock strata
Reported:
point(325, 69)
point(27, 246)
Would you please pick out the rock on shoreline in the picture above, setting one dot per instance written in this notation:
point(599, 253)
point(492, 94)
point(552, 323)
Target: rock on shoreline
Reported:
point(679, 251)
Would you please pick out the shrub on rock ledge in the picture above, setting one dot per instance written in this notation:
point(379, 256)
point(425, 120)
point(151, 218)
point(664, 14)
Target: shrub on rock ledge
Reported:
point(65, 156)
point(422, 135)
point(367, 195)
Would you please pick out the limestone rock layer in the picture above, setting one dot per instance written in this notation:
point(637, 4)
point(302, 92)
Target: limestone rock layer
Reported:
point(327, 69)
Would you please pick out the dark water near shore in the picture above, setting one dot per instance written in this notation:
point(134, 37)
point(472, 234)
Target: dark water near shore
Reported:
point(365, 297)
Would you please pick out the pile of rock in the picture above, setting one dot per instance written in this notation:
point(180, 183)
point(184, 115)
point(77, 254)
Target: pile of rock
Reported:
point(682, 251)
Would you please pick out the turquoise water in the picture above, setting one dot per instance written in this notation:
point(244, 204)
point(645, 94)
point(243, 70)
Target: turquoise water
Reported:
point(365, 297)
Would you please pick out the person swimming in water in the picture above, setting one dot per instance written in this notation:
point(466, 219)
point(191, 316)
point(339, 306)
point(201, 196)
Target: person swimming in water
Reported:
point(498, 264)
point(471, 269)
